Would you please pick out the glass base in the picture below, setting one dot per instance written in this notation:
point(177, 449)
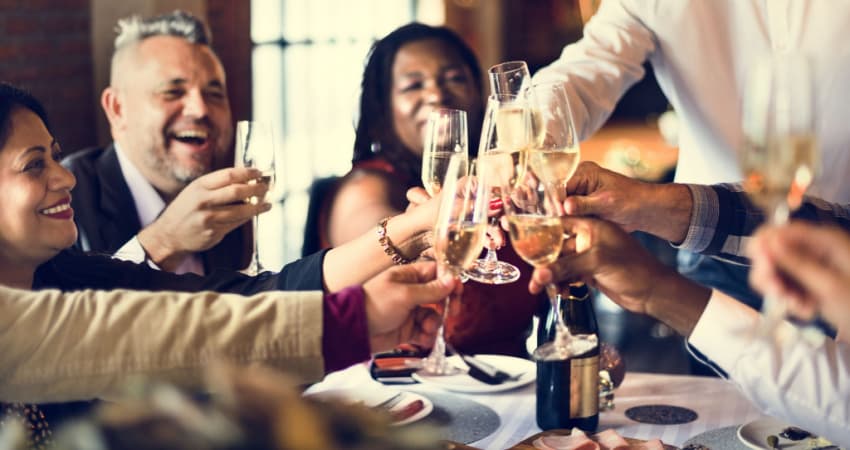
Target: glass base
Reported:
point(502, 274)
point(565, 346)
point(438, 366)
point(253, 269)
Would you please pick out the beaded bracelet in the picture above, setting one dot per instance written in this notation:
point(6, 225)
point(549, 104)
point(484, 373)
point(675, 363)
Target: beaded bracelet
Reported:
point(387, 245)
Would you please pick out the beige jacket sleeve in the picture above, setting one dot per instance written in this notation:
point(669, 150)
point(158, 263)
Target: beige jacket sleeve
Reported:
point(58, 346)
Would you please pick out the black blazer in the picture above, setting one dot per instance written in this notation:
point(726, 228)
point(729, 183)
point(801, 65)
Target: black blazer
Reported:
point(107, 217)
point(72, 270)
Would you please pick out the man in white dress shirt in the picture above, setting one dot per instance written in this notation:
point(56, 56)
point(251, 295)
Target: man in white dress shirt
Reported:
point(702, 53)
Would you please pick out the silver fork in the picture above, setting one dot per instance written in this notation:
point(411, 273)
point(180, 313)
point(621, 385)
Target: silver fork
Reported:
point(391, 402)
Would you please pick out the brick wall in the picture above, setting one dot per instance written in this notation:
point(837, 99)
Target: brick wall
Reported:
point(230, 23)
point(45, 47)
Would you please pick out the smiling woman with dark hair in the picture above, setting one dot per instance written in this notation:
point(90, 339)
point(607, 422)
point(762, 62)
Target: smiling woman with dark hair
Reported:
point(409, 73)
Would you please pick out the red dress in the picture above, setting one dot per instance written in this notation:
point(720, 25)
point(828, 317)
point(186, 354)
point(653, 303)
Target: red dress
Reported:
point(492, 318)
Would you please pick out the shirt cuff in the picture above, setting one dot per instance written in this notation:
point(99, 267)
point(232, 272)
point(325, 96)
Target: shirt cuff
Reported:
point(704, 217)
point(345, 339)
point(725, 324)
point(133, 251)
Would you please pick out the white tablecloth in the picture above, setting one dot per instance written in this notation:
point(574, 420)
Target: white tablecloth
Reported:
point(716, 401)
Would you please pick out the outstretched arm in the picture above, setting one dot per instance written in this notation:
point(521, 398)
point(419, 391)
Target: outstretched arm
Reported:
point(88, 344)
point(598, 69)
point(787, 377)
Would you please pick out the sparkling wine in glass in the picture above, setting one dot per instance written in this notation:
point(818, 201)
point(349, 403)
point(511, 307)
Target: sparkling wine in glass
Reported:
point(446, 134)
point(780, 157)
point(534, 208)
point(505, 136)
point(255, 148)
point(458, 237)
point(510, 78)
point(553, 152)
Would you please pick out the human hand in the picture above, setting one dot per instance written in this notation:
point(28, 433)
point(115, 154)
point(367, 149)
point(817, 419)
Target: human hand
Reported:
point(604, 256)
point(393, 304)
point(202, 214)
point(662, 210)
point(808, 267)
point(416, 196)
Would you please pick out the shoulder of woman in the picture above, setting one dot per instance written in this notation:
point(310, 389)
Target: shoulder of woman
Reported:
point(360, 188)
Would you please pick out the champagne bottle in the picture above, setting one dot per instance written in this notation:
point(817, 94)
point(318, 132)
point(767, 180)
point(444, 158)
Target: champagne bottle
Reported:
point(568, 390)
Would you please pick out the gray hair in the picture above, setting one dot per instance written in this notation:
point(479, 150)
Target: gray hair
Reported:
point(134, 29)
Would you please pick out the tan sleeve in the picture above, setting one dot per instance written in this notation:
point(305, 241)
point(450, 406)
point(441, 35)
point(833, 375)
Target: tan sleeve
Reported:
point(58, 346)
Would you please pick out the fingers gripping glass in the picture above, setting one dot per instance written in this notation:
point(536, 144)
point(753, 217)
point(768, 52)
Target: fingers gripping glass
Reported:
point(458, 237)
point(781, 156)
point(255, 148)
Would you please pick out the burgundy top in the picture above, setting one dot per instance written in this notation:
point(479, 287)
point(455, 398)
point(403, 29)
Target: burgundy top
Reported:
point(345, 335)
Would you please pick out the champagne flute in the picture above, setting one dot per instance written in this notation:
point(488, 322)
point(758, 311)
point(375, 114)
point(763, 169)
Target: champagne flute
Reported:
point(505, 135)
point(445, 135)
point(780, 157)
point(506, 78)
point(510, 77)
point(553, 151)
point(534, 207)
point(458, 235)
point(255, 148)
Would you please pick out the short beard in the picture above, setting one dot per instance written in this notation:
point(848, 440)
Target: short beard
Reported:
point(169, 168)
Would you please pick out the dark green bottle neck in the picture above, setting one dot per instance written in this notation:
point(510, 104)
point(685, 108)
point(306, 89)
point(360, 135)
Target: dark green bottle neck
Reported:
point(577, 309)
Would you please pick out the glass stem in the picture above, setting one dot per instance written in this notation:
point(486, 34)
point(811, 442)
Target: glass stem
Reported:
point(255, 256)
point(491, 261)
point(774, 309)
point(438, 352)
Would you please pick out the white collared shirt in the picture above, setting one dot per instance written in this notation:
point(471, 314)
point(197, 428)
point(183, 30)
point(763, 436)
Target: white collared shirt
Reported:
point(702, 52)
point(787, 376)
point(149, 205)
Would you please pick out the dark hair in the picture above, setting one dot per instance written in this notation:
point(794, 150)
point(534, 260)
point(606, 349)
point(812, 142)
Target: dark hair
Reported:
point(12, 97)
point(374, 124)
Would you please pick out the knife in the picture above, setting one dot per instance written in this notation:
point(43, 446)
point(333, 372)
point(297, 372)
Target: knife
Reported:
point(486, 372)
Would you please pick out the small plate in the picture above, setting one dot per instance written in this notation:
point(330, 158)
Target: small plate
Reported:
point(464, 383)
point(373, 398)
point(754, 435)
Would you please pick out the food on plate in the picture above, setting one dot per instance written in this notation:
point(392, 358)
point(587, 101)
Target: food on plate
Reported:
point(605, 440)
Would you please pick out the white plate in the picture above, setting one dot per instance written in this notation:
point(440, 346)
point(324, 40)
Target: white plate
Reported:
point(464, 383)
point(373, 397)
point(754, 435)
